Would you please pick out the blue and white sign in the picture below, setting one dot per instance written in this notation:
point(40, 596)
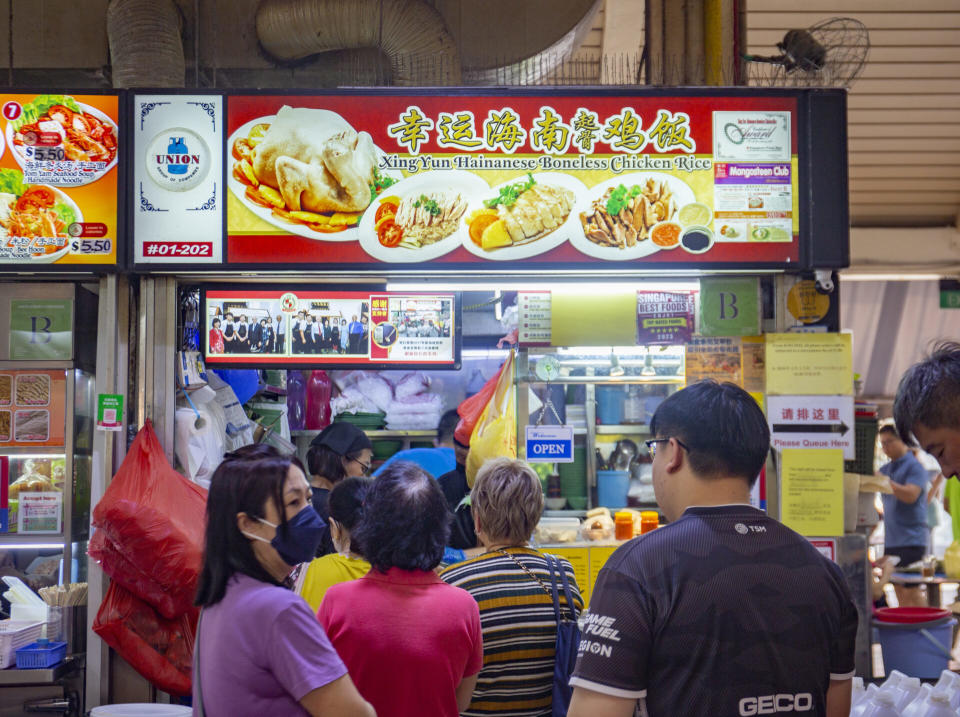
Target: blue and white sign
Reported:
point(549, 444)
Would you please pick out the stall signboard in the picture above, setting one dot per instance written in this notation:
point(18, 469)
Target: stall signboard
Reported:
point(716, 358)
point(32, 408)
point(533, 318)
point(40, 513)
point(41, 329)
point(59, 167)
point(178, 178)
point(319, 327)
point(397, 180)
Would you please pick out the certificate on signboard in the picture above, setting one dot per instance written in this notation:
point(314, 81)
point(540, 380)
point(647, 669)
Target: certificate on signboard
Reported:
point(40, 513)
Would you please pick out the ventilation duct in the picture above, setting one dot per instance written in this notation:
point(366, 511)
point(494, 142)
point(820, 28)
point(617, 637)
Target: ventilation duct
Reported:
point(146, 49)
point(410, 33)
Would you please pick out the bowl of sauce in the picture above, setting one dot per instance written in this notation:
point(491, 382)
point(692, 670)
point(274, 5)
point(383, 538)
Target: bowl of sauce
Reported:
point(696, 239)
point(666, 235)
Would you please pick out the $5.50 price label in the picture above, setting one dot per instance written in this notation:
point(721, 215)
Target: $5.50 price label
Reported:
point(91, 246)
point(177, 248)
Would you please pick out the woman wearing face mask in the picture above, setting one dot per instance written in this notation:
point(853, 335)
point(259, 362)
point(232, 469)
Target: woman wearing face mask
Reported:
point(346, 507)
point(259, 650)
point(341, 450)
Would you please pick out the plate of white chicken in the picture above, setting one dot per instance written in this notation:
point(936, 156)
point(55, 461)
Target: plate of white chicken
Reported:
point(306, 171)
point(420, 217)
point(616, 217)
point(524, 217)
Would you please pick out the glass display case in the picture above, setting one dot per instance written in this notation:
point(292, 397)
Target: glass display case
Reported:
point(46, 438)
point(607, 394)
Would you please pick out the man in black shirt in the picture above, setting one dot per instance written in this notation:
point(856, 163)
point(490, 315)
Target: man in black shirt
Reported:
point(455, 490)
point(724, 611)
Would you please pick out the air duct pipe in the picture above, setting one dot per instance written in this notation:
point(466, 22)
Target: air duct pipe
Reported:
point(412, 35)
point(146, 49)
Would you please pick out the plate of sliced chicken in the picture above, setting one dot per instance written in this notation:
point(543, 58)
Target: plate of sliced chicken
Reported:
point(523, 217)
point(420, 217)
point(307, 172)
point(618, 216)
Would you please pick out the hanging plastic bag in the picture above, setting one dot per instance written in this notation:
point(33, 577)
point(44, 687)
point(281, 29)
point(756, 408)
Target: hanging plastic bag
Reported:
point(191, 374)
point(159, 649)
point(495, 433)
point(471, 408)
point(155, 518)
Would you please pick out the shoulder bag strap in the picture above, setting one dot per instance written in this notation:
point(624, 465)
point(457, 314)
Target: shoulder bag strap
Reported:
point(567, 592)
point(555, 593)
point(198, 708)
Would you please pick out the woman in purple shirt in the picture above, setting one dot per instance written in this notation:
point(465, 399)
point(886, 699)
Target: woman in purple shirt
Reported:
point(259, 649)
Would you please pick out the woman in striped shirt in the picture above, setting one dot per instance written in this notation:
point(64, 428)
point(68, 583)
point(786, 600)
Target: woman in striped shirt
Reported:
point(511, 584)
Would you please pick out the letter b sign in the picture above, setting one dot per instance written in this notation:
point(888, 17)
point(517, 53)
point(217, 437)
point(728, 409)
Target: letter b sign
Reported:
point(729, 306)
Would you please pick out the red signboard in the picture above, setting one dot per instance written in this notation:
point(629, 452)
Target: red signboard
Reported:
point(496, 181)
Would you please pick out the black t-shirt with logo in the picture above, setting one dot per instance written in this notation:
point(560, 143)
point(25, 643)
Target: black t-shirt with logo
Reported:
point(723, 612)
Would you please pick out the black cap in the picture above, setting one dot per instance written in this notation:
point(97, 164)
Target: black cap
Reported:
point(342, 438)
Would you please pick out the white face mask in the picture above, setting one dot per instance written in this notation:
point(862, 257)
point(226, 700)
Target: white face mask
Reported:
point(257, 537)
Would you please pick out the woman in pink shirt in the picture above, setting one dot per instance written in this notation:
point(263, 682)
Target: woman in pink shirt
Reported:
point(412, 643)
point(259, 650)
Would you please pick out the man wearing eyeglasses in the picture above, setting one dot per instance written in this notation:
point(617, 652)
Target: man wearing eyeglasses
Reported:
point(724, 611)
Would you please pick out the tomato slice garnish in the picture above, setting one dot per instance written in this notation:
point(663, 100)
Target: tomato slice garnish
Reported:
point(388, 233)
point(385, 208)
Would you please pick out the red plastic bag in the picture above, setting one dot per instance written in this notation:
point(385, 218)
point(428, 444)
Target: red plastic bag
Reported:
point(470, 409)
point(150, 528)
point(159, 649)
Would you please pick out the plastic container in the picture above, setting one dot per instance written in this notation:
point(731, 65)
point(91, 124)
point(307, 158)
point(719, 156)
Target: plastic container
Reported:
point(649, 520)
point(557, 530)
point(918, 707)
point(296, 400)
point(319, 388)
point(612, 488)
point(623, 525)
point(882, 705)
point(610, 405)
point(938, 705)
point(910, 615)
point(918, 649)
point(13, 635)
point(40, 655)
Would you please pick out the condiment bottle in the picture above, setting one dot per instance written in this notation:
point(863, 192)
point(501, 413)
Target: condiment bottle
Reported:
point(649, 520)
point(623, 525)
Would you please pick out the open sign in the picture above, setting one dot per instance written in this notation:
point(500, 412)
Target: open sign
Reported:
point(549, 444)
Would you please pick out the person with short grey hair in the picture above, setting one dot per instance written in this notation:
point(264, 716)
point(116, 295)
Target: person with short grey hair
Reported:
point(512, 585)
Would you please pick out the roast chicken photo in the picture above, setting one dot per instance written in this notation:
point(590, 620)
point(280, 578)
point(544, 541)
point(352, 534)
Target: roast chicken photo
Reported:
point(309, 166)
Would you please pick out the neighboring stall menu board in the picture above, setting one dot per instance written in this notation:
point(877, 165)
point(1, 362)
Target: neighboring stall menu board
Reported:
point(519, 179)
point(58, 181)
point(32, 408)
point(304, 327)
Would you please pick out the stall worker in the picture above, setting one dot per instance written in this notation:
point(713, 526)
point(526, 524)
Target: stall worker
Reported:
point(927, 407)
point(437, 461)
point(310, 344)
point(296, 332)
point(341, 450)
point(724, 611)
point(512, 585)
point(412, 643)
point(259, 650)
point(229, 334)
point(335, 337)
point(346, 507)
point(242, 344)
